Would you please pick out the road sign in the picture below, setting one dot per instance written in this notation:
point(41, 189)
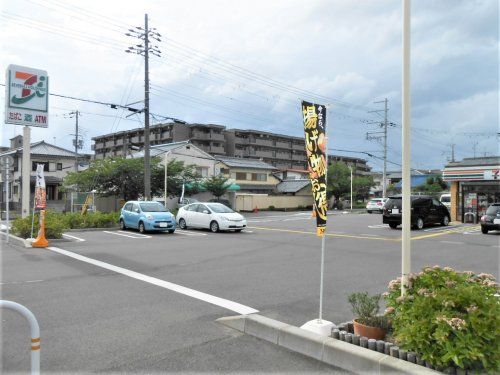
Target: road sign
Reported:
point(26, 96)
point(6, 161)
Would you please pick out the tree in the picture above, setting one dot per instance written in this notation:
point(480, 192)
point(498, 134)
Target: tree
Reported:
point(361, 186)
point(217, 185)
point(125, 177)
point(339, 179)
point(432, 185)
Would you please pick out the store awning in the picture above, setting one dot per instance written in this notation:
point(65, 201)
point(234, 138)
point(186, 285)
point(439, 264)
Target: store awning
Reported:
point(234, 187)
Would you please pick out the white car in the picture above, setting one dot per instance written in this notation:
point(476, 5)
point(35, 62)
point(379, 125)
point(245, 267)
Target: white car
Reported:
point(376, 204)
point(445, 199)
point(214, 216)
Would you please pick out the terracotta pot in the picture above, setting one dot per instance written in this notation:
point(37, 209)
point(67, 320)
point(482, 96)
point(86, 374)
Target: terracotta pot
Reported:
point(368, 331)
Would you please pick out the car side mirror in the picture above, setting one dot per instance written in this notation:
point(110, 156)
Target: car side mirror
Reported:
point(205, 212)
point(136, 210)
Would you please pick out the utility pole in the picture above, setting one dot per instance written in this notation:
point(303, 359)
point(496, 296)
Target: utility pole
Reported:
point(384, 137)
point(75, 142)
point(145, 34)
point(474, 146)
point(453, 152)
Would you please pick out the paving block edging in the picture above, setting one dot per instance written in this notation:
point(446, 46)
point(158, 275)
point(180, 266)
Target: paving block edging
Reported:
point(325, 349)
point(14, 240)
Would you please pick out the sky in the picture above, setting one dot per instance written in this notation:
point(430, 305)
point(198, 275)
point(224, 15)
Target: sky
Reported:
point(247, 64)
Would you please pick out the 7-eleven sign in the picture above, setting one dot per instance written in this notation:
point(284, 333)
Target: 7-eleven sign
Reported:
point(493, 174)
point(26, 96)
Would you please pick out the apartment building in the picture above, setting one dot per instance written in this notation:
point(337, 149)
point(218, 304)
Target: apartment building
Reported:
point(207, 137)
point(359, 166)
point(281, 151)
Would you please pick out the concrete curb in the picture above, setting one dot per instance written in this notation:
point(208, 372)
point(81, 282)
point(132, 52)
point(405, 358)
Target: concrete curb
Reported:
point(89, 229)
point(18, 241)
point(325, 349)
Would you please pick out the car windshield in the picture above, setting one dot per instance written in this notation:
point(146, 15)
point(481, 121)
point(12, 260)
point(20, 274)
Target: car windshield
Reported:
point(153, 207)
point(493, 210)
point(445, 199)
point(219, 208)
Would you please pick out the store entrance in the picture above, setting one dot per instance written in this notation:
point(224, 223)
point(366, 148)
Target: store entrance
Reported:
point(476, 197)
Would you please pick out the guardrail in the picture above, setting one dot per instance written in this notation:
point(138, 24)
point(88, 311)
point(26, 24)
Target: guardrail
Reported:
point(35, 332)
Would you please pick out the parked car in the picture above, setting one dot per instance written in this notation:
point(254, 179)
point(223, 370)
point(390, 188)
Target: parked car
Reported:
point(446, 200)
point(147, 216)
point(491, 219)
point(424, 210)
point(185, 201)
point(376, 204)
point(225, 202)
point(211, 215)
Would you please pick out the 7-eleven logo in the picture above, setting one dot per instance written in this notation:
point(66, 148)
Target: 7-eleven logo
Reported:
point(30, 86)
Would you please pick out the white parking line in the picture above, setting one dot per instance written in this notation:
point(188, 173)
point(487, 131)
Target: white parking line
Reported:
point(187, 233)
point(453, 242)
point(378, 226)
point(73, 237)
point(227, 304)
point(135, 235)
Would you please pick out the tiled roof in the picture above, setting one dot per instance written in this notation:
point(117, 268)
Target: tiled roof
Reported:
point(475, 162)
point(157, 150)
point(292, 186)
point(244, 163)
point(43, 148)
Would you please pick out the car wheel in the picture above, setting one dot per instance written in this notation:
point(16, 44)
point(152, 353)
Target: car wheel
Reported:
point(369, 211)
point(122, 225)
point(182, 224)
point(142, 229)
point(238, 230)
point(393, 225)
point(214, 226)
point(420, 223)
point(484, 230)
point(445, 221)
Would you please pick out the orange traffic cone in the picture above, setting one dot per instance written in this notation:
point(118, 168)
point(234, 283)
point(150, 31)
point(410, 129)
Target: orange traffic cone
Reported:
point(41, 241)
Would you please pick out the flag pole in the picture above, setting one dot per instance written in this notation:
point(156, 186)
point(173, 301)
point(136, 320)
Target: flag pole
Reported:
point(323, 243)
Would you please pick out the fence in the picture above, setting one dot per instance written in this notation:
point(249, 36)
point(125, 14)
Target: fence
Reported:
point(248, 202)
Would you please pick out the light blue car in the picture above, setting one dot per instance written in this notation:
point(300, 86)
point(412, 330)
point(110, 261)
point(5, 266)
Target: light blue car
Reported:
point(147, 216)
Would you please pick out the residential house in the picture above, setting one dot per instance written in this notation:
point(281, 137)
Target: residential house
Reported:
point(57, 162)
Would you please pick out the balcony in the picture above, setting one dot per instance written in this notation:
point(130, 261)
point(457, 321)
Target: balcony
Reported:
point(98, 146)
point(283, 145)
point(217, 137)
point(119, 142)
point(110, 143)
point(263, 142)
point(299, 147)
point(264, 154)
point(299, 157)
point(199, 135)
point(217, 150)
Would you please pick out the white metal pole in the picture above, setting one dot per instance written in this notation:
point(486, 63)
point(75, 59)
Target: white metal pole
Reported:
point(35, 332)
point(323, 240)
point(7, 180)
point(406, 173)
point(26, 172)
point(321, 283)
point(165, 160)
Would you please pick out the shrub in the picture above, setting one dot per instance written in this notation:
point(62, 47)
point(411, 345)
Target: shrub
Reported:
point(54, 226)
point(56, 223)
point(448, 317)
point(271, 208)
point(366, 308)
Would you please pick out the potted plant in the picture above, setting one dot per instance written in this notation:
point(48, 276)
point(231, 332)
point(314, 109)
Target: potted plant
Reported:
point(367, 322)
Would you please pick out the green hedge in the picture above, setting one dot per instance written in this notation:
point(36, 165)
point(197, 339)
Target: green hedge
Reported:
point(56, 223)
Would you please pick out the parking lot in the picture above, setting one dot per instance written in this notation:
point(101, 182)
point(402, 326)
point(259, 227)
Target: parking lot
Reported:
point(112, 300)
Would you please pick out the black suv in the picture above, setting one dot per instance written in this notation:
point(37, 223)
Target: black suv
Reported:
point(424, 210)
point(491, 220)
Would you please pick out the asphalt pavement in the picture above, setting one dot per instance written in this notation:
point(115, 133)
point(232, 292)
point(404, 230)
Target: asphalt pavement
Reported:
point(119, 301)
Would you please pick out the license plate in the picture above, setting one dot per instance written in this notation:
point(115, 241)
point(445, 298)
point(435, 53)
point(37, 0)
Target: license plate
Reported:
point(496, 221)
point(163, 225)
point(395, 211)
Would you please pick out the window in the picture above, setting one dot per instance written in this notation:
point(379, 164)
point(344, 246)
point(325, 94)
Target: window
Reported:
point(15, 190)
point(128, 207)
point(224, 171)
point(202, 171)
point(45, 165)
point(259, 177)
point(435, 202)
point(201, 208)
point(59, 166)
point(241, 176)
